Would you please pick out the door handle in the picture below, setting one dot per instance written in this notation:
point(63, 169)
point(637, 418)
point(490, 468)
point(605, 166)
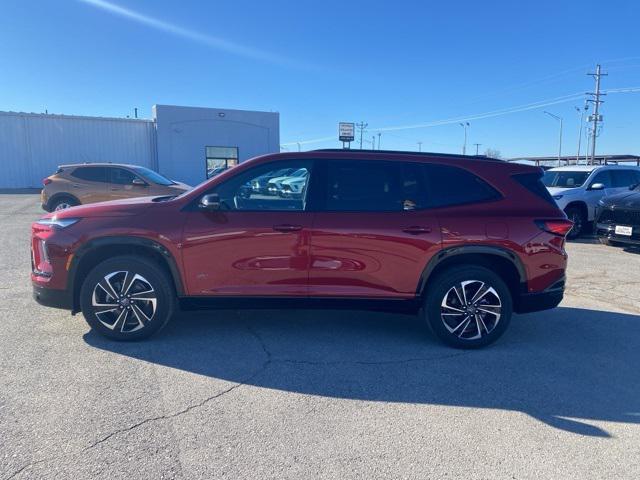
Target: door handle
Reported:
point(287, 228)
point(416, 230)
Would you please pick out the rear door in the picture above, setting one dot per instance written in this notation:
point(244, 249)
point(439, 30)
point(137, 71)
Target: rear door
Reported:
point(372, 235)
point(89, 184)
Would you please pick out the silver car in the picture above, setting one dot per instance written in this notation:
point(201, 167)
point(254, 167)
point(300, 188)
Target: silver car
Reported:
point(577, 189)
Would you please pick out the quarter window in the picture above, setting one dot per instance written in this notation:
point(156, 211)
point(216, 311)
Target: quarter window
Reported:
point(448, 186)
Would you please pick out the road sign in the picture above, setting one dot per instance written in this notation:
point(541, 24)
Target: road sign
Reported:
point(346, 131)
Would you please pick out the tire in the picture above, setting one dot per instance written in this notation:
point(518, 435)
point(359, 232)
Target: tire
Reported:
point(577, 216)
point(609, 242)
point(62, 203)
point(128, 319)
point(460, 330)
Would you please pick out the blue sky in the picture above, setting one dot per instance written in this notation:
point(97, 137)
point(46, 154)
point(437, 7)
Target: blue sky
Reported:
point(391, 64)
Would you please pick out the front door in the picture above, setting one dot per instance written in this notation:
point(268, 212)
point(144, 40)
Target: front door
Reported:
point(372, 235)
point(256, 244)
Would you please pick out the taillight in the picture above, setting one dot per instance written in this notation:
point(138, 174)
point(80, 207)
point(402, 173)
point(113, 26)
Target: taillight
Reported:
point(556, 227)
point(46, 181)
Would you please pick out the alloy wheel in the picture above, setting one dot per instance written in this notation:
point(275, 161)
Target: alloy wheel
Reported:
point(62, 206)
point(124, 301)
point(471, 309)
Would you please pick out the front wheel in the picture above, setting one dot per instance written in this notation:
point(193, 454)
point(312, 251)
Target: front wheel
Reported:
point(127, 298)
point(579, 219)
point(468, 306)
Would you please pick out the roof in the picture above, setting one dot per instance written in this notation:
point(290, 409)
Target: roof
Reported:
point(405, 152)
point(587, 168)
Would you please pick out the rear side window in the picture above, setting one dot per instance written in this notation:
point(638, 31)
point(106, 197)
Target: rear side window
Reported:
point(533, 183)
point(90, 174)
point(448, 186)
point(374, 186)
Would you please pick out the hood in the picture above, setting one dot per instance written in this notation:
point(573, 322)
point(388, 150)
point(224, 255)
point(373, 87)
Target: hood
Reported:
point(629, 199)
point(112, 208)
point(562, 191)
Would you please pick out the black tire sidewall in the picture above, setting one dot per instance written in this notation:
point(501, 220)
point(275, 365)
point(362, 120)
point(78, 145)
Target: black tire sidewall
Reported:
point(583, 220)
point(152, 272)
point(440, 285)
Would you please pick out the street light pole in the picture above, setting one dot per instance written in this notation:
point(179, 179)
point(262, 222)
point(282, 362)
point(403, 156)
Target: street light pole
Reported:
point(559, 119)
point(581, 111)
point(379, 135)
point(419, 146)
point(464, 125)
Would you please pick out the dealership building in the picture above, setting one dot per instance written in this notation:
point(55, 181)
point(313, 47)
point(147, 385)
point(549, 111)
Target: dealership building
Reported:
point(182, 143)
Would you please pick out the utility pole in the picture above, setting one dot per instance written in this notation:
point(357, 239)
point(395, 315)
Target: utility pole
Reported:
point(465, 125)
point(379, 135)
point(581, 112)
point(595, 118)
point(477, 147)
point(419, 146)
point(373, 142)
point(558, 119)
point(135, 112)
point(362, 126)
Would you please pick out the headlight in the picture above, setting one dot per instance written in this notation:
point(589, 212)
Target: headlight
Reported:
point(57, 222)
point(557, 197)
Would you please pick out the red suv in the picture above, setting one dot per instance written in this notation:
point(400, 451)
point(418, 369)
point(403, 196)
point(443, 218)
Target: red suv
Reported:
point(465, 241)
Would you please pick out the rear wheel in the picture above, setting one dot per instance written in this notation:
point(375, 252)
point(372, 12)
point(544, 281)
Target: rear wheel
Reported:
point(127, 298)
point(577, 216)
point(468, 306)
point(62, 203)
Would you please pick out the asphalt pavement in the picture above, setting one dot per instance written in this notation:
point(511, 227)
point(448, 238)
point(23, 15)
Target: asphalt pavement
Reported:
point(296, 394)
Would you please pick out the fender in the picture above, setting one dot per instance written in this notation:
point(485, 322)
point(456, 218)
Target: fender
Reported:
point(450, 252)
point(125, 240)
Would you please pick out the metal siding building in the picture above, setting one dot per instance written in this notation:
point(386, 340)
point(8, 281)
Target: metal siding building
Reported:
point(173, 143)
point(33, 145)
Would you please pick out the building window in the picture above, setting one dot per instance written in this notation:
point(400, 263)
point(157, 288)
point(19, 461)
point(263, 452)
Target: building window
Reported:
point(220, 159)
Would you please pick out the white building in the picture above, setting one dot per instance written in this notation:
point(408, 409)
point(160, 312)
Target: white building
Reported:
point(183, 143)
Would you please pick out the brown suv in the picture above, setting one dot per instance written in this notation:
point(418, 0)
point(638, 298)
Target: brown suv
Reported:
point(98, 182)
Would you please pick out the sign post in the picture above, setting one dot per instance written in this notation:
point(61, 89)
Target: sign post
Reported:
point(346, 133)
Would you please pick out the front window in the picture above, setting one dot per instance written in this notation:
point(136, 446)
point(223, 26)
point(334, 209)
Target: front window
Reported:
point(564, 179)
point(280, 186)
point(220, 159)
point(152, 176)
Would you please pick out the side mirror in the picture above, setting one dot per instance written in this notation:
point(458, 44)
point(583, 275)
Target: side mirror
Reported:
point(597, 186)
point(210, 202)
point(139, 182)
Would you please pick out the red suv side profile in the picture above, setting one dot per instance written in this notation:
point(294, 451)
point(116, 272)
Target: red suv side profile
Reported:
point(465, 241)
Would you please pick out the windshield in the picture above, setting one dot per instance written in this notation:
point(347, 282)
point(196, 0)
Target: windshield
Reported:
point(152, 176)
point(564, 179)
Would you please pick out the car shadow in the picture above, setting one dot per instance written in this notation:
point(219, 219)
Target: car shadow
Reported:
point(565, 367)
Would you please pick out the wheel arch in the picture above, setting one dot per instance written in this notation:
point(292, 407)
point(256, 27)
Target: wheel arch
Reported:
point(56, 196)
point(504, 262)
point(99, 249)
point(580, 205)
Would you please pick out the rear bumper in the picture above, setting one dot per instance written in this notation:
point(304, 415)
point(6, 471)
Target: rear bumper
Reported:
point(545, 300)
point(50, 297)
point(607, 230)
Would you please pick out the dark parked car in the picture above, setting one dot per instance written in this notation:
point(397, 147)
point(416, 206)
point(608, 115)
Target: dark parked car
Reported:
point(618, 220)
point(462, 240)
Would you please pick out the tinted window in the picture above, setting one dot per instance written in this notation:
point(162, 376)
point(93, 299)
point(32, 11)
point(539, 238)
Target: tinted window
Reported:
point(623, 178)
point(358, 186)
point(91, 174)
point(276, 186)
point(533, 183)
point(152, 176)
point(121, 176)
point(564, 179)
point(454, 186)
point(604, 178)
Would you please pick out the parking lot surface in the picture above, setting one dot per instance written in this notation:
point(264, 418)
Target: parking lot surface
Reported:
point(321, 394)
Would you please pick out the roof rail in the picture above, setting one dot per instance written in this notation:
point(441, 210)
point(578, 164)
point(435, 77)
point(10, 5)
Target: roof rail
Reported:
point(405, 152)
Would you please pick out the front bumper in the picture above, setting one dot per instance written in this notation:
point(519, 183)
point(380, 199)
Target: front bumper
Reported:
point(50, 297)
point(607, 231)
point(537, 301)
